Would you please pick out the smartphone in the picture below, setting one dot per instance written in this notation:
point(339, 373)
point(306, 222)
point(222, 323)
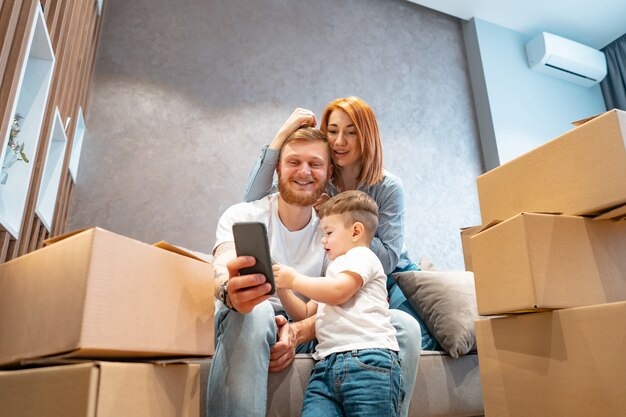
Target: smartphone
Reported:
point(251, 240)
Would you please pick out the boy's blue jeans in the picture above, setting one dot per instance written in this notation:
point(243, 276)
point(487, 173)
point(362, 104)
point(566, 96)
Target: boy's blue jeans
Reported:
point(360, 383)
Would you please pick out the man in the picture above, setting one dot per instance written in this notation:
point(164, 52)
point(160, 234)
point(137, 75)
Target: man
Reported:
point(253, 336)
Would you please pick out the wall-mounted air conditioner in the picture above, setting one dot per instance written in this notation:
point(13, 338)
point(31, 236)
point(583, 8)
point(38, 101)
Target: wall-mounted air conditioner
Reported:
point(566, 59)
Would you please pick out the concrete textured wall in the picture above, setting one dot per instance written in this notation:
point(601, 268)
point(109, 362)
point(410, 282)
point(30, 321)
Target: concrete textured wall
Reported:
point(185, 94)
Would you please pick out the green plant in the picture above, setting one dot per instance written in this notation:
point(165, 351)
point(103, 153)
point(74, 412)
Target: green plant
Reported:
point(15, 146)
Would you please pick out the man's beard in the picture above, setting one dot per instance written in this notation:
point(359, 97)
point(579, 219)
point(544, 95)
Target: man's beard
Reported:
point(299, 198)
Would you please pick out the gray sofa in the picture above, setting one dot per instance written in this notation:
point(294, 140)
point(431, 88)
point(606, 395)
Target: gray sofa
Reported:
point(445, 387)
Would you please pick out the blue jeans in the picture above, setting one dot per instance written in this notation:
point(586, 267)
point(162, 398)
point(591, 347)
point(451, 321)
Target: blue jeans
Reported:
point(359, 383)
point(237, 383)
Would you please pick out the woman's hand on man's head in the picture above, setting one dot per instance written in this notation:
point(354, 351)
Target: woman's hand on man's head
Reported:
point(299, 118)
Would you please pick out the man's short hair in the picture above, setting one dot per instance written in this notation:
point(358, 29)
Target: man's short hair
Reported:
point(355, 206)
point(307, 133)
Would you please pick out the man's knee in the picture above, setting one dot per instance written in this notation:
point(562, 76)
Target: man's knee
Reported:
point(406, 326)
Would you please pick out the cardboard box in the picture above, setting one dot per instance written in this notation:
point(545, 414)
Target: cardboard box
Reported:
point(102, 389)
point(582, 172)
point(562, 363)
point(96, 294)
point(541, 261)
point(466, 233)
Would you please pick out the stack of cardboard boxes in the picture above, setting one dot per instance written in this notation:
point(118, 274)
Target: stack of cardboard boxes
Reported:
point(551, 263)
point(84, 321)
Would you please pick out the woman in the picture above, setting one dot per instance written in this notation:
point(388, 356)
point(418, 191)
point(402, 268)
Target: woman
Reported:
point(352, 131)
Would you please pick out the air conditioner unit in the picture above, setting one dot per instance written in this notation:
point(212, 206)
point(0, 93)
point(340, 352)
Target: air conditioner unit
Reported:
point(563, 58)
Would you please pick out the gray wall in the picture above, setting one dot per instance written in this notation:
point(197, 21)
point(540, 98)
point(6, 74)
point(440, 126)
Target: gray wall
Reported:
point(185, 94)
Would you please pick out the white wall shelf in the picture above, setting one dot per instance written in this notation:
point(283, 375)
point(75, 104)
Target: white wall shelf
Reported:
point(52, 169)
point(77, 144)
point(30, 101)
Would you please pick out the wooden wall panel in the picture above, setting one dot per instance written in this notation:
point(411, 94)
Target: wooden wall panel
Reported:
point(74, 27)
point(76, 96)
point(5, 238)
point(9, 13)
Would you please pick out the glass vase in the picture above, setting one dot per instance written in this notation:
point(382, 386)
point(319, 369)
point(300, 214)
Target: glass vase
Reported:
point(10, 158)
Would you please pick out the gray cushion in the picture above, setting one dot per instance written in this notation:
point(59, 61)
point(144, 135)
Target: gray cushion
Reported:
point(446, 301)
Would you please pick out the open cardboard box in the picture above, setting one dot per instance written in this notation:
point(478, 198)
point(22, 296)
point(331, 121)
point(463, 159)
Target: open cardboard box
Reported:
point(102, 389)
point(536, 261)
point(96, 294)
point(582, 172)
point(566, 362)
point(466, 233)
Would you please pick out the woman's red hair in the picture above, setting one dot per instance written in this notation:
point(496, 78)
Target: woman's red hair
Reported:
point(364, 121)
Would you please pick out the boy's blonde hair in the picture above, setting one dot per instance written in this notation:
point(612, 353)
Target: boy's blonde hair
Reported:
point(355, 206)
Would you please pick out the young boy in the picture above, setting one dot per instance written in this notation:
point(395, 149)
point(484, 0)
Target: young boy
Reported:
point(357, 373)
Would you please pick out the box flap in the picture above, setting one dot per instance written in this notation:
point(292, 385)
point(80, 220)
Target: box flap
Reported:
point(179, 250)
point(616, 213)
point(482, 228)
point(58, 238)
point(585, 120)
point(89, 356)
point(56, 359)
point(590, 118)
point(496, 222)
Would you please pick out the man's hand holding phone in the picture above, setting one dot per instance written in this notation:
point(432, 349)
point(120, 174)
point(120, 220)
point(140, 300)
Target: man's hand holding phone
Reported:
point(246, 291)
point(251, 278)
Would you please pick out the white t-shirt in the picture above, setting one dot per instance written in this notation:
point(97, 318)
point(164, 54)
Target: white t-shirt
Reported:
point(363, 322)
point(301, 250)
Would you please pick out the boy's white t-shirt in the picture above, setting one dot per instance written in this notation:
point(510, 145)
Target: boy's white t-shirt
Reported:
point(364, 321)
point(301, 250)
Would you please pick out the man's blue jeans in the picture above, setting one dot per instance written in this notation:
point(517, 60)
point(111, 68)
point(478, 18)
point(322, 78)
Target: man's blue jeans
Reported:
point(359, 383)
point(237, 385)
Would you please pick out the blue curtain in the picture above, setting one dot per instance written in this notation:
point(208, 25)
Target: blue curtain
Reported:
point(614, 85)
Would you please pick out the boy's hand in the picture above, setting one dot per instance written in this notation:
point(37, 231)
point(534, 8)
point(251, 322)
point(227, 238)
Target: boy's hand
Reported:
point(284, 276)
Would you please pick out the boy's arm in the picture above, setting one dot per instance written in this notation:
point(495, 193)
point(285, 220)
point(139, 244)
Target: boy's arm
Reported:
point(333, 291)
point(296, 308)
